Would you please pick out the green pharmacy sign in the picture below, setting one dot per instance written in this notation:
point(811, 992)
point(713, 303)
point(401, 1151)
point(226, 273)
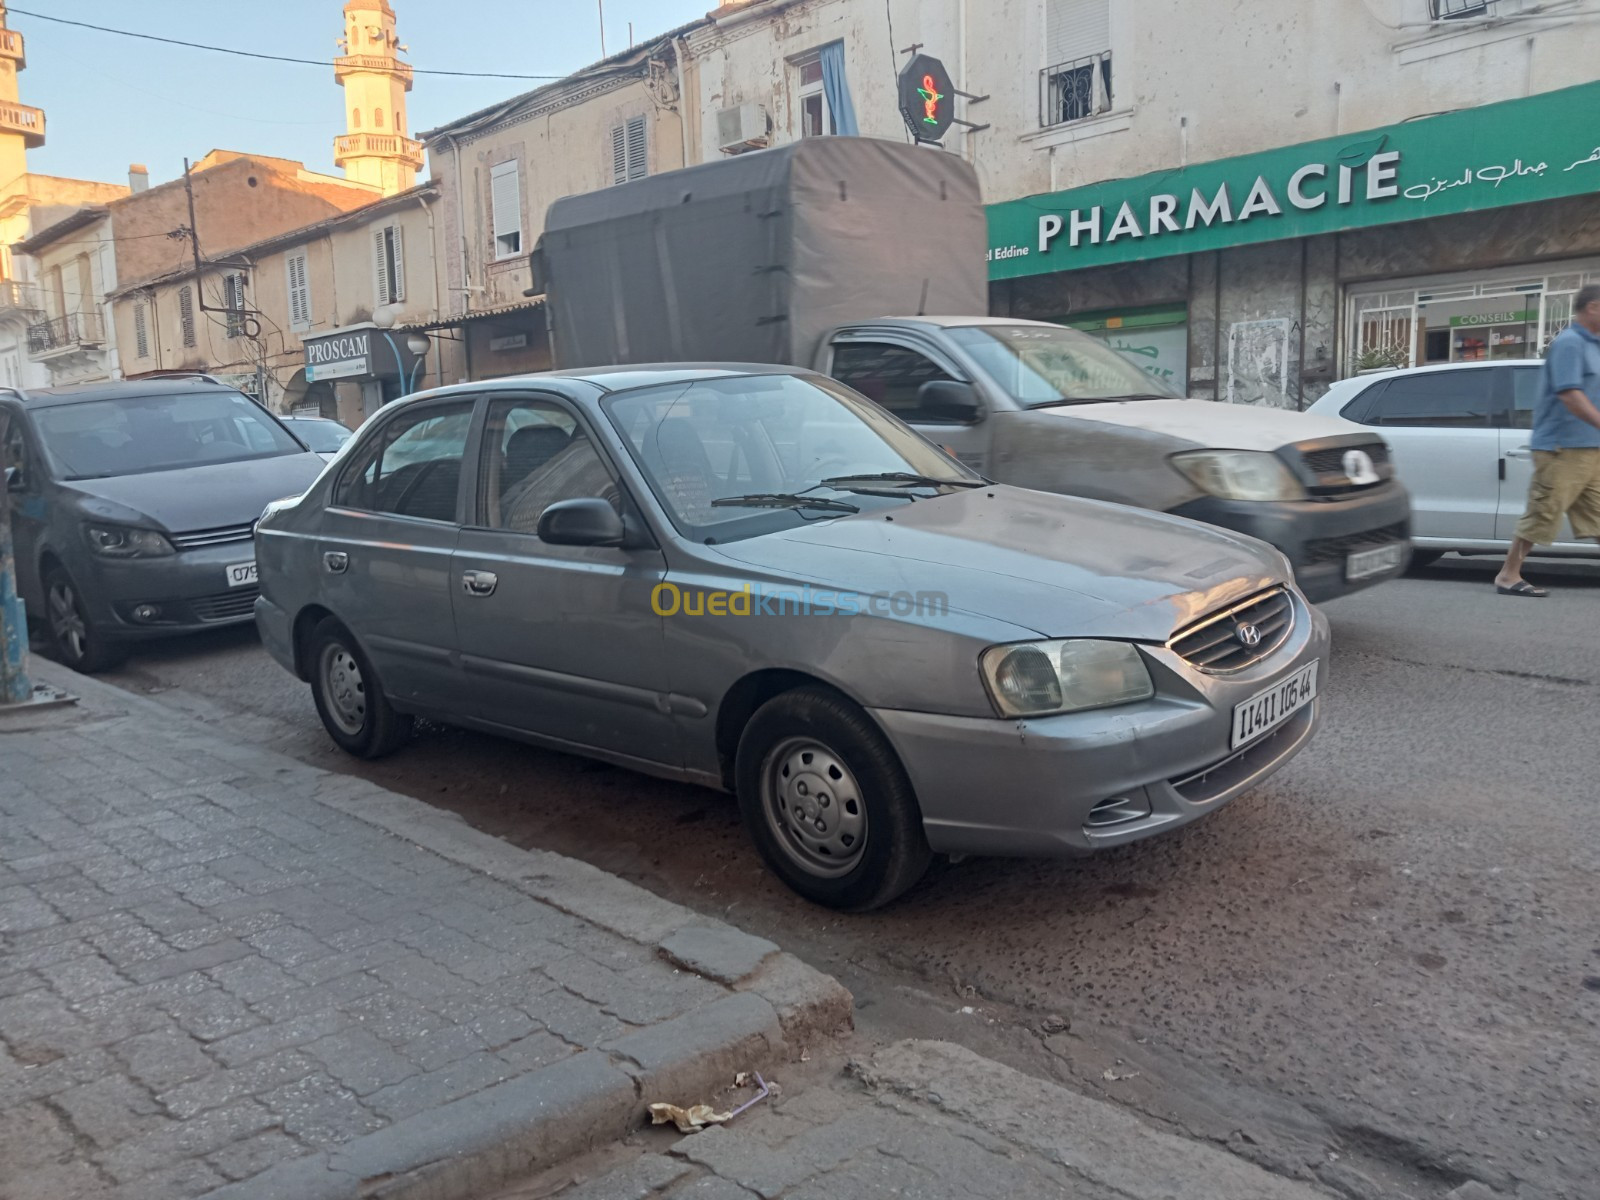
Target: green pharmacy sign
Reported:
point(1538, 148)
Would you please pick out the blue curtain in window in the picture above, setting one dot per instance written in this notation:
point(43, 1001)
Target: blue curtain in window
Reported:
point(837, 89)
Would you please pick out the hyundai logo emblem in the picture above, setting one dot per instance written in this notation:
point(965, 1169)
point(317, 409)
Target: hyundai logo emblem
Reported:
point(1249, 636)
point(1358, 468)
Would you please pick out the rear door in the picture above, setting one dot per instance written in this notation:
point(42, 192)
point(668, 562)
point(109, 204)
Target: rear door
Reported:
point(890, 370)
point(383, 556)
point(1440, 426)
point(1523, 386)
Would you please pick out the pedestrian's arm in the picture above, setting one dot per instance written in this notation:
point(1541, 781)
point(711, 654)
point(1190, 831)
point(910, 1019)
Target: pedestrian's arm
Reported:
point(1580, 406)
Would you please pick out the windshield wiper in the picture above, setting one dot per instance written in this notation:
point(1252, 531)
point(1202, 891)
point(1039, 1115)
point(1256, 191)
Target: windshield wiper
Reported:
point(847, 483)
point(784, 500)
point(1067, 401)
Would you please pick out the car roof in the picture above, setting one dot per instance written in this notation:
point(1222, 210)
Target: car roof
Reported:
point(610, 379)
point(117, 389)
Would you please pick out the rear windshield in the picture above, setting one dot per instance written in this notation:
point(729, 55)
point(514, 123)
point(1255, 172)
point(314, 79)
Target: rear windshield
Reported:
point(138, 435)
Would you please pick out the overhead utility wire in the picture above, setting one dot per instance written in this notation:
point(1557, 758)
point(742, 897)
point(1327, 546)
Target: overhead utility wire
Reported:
point(309, 62)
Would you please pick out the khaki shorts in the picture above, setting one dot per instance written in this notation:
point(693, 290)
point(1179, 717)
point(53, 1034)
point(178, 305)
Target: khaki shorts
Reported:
point(1566, 483)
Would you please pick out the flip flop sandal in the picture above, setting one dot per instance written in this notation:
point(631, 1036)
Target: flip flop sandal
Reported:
point(1522, 588)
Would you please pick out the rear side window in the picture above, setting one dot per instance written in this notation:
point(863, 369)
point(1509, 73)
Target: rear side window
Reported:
point(1434, 400)
point(1527, 385)
point(412, 466)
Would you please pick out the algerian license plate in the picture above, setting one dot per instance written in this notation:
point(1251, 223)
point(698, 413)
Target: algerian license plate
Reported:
point(241, 574)
point(1267, 710)
point(1368, 563)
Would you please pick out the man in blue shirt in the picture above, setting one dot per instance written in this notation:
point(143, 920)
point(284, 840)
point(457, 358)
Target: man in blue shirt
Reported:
point(1566, 444)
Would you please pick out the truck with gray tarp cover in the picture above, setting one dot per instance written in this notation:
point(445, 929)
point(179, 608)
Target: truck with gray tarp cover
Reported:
point(866, 260)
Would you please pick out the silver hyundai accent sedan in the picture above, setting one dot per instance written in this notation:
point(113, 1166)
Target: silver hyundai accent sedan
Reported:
point(757, 580)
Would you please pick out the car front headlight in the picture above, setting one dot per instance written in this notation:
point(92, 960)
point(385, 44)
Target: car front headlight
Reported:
point(121, 541)
point(1036, 679)
point(1239, 474)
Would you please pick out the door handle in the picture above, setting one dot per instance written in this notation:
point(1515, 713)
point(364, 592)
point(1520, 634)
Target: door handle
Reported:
point(1519, 452)
point(336, 562)
point(479, 583)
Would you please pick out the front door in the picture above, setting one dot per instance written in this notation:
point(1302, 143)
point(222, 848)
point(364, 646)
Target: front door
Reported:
point(558, 641)
point(891, 373)
point(384, 554)
point(1446, 449)
point(1526, 385)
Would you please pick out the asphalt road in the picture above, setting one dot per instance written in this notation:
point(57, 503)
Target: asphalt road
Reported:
point(1382, 968)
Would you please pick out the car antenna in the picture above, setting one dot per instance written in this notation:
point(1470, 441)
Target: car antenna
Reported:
point(922, 305)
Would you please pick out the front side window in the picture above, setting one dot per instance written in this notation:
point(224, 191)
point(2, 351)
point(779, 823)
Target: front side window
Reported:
point(411, 467)
point(136, 436)
point(14, 456)
point(1047, 365)
point(739, 456)
point(536, 454)
point(1435, 399)
point(888, 375)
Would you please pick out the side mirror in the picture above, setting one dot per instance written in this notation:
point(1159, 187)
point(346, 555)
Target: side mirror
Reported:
point(14, 480)
point(948, 400)
point(587, 521)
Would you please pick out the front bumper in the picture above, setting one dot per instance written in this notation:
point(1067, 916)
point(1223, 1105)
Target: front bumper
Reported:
point(1031, 787)
point(189, 589)
point(1318, 536)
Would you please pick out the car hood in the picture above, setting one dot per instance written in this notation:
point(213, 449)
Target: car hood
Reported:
point(1206, 424)
point(212, 496)
point(1059, 566)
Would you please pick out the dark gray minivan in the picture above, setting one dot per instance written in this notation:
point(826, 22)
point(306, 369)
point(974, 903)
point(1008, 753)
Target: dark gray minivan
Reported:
point(134, 505)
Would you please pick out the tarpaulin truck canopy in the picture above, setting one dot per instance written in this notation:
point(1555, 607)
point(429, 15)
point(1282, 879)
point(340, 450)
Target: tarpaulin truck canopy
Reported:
point(754, 258)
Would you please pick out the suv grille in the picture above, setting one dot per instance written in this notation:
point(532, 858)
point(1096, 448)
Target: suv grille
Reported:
point(1328, 466)
point(227, 606)
point(213, 537)
point(1337, 549)
point(1215, 646)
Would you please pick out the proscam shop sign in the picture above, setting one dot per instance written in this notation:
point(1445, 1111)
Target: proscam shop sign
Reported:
point(1537, 148)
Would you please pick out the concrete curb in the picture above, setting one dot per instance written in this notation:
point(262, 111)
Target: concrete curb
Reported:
point(778, 1004)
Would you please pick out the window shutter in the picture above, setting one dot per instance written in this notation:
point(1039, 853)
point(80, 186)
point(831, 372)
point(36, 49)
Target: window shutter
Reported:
point(505, 197)
point(186, 314)
point(638, 161)
point(1077, 29)
point(397, 267)
point(141, 331)
point(380, 258)
point(299, 290)
point(619, 154)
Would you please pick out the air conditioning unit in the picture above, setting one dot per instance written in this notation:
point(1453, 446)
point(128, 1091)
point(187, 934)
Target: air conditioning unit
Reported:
point(743, 127)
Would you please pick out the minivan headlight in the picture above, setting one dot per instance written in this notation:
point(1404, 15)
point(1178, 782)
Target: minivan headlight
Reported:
point(120, 541)
point(1239, 474)
point(1036, 679)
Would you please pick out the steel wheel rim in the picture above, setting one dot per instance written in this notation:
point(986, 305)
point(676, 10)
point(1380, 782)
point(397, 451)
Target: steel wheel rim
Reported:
point(344, 690)
point(67, 625)
point(814, 808)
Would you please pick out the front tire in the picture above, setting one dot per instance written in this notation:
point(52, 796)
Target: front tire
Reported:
point(827, 802)
point(349, 698)
point(76, 641)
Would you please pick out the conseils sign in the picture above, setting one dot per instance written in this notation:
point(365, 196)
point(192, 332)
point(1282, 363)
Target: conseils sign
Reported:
point(1538, 148)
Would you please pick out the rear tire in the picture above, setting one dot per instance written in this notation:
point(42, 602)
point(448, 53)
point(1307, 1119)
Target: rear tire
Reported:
point(349, 696)
point(77, 643)
point(1421, 560)
point(827, 802)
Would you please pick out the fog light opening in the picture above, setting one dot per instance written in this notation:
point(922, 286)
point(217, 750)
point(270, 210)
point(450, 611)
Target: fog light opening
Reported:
point(1118, 810)
point(147, 612)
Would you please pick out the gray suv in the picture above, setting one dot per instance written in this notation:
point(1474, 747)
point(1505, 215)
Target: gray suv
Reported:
point(133, 508)
point(758, 580)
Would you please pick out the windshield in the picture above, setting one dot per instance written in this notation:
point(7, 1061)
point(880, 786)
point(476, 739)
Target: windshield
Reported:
point(324, 437)
point(1049, 364)
point(744, 455)
point(137, 435)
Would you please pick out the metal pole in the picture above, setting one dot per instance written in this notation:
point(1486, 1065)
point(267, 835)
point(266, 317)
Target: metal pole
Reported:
point(601, 5)
point(15, 687)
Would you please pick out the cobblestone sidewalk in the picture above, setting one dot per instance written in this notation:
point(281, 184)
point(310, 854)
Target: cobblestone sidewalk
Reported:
point(220, 965)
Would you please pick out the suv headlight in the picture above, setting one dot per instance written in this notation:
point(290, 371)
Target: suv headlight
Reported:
point(1036, 679)
point(120, 541)
point(1239, 474)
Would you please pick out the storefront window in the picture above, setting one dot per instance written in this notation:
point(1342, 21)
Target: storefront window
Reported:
point(1490, 317)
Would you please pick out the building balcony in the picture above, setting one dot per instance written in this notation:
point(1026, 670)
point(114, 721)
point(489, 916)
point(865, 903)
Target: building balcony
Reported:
point(351, 64)
point(71, 334)
point(11, 47)
point(19, 299)
point(23, 119)
point(377, 145)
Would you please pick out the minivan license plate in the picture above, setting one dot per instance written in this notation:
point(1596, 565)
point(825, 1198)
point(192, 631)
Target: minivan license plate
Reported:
point(241, 574)
point(1368, 563)
point(1267, 710)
